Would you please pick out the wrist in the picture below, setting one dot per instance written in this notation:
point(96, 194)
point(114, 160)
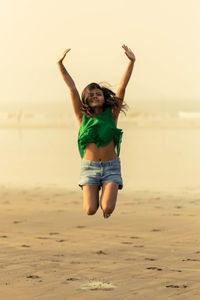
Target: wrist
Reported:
point(131, 62)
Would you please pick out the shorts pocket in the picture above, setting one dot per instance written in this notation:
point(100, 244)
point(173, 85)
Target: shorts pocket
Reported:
point(113, 170)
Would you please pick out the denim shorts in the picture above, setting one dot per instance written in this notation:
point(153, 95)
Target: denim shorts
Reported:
point(97, 172)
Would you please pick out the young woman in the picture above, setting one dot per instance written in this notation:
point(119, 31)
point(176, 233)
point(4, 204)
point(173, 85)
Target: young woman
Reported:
point(99, 138)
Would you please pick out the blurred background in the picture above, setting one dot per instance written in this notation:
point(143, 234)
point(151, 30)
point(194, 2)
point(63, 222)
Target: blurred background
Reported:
point(38, 131)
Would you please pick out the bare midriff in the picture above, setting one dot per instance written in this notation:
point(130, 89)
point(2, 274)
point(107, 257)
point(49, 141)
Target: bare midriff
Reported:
point(94, 153)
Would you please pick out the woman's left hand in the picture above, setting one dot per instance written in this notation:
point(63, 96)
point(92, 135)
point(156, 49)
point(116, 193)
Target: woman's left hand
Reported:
point(129, 53)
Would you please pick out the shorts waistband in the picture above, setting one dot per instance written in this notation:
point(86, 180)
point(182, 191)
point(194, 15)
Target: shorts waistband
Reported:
point(101, 163)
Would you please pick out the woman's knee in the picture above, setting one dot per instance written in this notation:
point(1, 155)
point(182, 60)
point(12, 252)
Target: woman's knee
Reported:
point(90, 210)
point(90, 199)
point(108, 209)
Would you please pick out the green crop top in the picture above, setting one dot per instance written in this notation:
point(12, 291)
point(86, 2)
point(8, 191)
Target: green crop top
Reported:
point(101, 130)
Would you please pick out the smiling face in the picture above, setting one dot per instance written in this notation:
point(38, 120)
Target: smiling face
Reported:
point(95, 98)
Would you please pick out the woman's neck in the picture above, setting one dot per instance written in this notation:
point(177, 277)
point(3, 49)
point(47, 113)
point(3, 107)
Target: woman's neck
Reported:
point(98, 110)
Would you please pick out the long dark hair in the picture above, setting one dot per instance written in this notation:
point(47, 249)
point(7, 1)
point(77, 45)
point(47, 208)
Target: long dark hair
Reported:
point(109, 97)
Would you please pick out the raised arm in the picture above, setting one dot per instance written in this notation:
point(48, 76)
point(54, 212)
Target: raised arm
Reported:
point(127, 74)
point(125, 78)
point(76, 101)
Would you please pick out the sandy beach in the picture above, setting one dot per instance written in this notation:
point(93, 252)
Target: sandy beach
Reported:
point(50, 249)
point(148, 249)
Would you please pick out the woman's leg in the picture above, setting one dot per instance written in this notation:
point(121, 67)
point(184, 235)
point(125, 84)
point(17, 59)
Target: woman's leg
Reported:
point(108, 198)
point(90, 198)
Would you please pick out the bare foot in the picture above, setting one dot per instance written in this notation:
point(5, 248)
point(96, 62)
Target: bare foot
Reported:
point(106, 215)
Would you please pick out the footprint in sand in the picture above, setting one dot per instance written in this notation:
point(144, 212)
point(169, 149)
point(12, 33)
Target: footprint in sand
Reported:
point(101, 252)
point(176, 286)
point(3, 236)
point(190, 259)
point(60, 241)
point(154, 268)
point(151, 259)
point(72, 279)
point(53, 233)
point(80, 226)
point(25, 246)
point(128, 243)
point(98, 285)
point(33, 276)
point(134, 237)
point(156, 230)
point(130, 259)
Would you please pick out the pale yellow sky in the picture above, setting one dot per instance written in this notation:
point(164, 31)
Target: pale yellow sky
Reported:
point(164, 36)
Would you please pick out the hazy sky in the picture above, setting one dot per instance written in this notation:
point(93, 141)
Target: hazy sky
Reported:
point(164, 35)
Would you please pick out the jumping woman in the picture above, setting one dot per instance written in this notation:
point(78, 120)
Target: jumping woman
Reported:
point(99, 139)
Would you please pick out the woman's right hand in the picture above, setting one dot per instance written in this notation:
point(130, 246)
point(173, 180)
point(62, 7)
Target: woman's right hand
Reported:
point(63, 55)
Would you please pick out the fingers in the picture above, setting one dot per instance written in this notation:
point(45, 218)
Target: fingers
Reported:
point(129, 53)
point(63, 55)
point(126, 48)
point(67, 50)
